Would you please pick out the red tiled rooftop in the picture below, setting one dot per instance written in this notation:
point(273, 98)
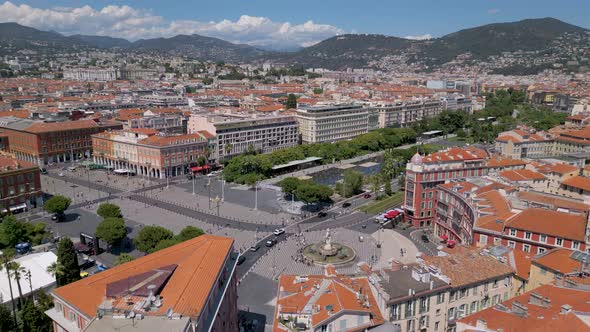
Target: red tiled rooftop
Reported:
point(565, 225)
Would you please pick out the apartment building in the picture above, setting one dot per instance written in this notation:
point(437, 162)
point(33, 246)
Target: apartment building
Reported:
point(403, 114)
point(557, 263)
point(90, 74)
point(433, 294)
point(147, 153)
point(424, 174)
point(235, 135)
point(563, 306)
point(20, 184)
point(332, 123)
point(42, 143)
point(191, 286)
point(325, 303)
point(524, 143)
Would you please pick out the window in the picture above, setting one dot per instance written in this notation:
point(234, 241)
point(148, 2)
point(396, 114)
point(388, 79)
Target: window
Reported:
point(59, 307)
point(543, 238)
point(512, 232)
point(72, 316)
point(461, 311)
point(436, 326)
point(526, 247)
point(483, 239)
point(541, 250)
point(559, 242)
point(473, 306)
point(343, 325)
point(410, 309)
point(495, 284)
point(511, 244)
point(575, 245)
point(528, 235)
point(451, 314)
point(440, 298)
point(395, 312)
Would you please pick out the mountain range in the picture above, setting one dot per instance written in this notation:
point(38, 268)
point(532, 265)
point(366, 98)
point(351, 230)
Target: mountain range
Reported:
point(544, 36)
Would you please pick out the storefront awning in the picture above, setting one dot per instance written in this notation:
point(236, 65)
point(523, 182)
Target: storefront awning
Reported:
point(444, 237)
point(199, 168)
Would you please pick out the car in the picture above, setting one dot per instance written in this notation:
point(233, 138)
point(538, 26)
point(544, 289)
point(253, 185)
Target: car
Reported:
point(212, 174)
point(425, 238)
point(72, 168)
point(241, 260)
point(269, 243)
point(346, 204)
point(322, 214)
point(279, 231)
point(23, 248)
point(367, 195)
point(254, 248)
point(61, 174)
point(189, 176)
point(43, 171)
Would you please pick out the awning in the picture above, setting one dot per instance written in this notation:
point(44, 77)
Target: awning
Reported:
point(121, 171)
point(451, 243)
point(18, 207)
point(199, 168)
point(444, 237)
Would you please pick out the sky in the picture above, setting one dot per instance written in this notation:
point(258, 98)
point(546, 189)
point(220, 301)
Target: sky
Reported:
point(280, 24)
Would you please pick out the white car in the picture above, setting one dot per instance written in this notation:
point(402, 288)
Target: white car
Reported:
point(279, 231)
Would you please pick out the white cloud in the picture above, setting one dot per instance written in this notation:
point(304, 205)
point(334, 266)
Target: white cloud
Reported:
point(493, 11)
point(420, 37)
point(132, 23)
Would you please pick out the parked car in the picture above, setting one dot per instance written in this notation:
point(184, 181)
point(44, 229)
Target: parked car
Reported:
point(43, 171)
point(425, 238)
point(367, 195)
point(278, 231)
point(23, 248)
point(270, 243)
point(241, 260)
point(322, 214)
point(254, 248)
point(71, 168)
point(346, 204)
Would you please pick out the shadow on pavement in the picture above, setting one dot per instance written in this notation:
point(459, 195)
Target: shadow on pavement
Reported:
point(251, 321)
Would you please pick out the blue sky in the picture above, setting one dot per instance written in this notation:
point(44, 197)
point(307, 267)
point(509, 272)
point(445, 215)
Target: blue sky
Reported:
point(281, 23)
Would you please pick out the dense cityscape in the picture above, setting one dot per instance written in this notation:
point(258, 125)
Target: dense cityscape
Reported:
point(361, 182)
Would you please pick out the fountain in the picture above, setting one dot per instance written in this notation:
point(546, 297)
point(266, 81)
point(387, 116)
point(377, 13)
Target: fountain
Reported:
point(329, 252)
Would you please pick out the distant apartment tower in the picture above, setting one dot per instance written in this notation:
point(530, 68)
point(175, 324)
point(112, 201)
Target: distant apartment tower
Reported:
point(90, 74)
point(236, 134)
point(403, 114)
point(333, 123)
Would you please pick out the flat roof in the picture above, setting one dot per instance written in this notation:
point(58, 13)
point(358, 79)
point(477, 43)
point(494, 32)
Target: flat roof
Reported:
point(369, 164)
point(432, 132)
point(296, 162)
point(146, 324)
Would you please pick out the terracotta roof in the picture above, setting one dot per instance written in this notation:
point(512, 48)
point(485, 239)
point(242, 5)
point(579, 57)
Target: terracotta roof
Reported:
point(553, 201)
point(505, 162)
point(456, 154)
point(199, 261)
point(144, 131)
point(565, 225)
point(42, 127)
point(338, 296)
point(557, 168)
point(558, 260)
point(469, 267)
point(521, 175)
point(580, 182)
point(539, 318)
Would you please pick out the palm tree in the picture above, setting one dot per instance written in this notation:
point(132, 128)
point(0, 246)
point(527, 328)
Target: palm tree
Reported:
point(228, 148)
point(6, 258)
point(17, 272)
point(55, 269)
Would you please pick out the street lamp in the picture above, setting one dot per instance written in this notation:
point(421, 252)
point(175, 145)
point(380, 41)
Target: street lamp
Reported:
point(209, 187)
point(217, 201)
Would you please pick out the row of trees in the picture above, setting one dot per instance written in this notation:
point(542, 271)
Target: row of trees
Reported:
point(258, 166)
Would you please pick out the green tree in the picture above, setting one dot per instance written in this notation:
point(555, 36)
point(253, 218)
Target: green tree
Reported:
point(289, 185)
point(112, 230)
point(189, 232)
point(68, 260)
point(202, 161)
point(149, 237)
point(55, 270)
point(375, 181)
point(6, 320)
point(352, 183)
point(124, 258)
point(109, 210)
point(57, 204)
point(310, 193)
point(33, 319)
point(318, 91)
point(12, 232)
point(17, 272)
point(291, 101)
point(165, 244)
point(5, 260)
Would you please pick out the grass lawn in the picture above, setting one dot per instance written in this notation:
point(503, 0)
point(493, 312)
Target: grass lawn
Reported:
point(383, 204)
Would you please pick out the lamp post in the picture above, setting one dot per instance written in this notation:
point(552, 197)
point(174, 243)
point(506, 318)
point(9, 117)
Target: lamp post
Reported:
point(209, 187)
point(217, 201)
